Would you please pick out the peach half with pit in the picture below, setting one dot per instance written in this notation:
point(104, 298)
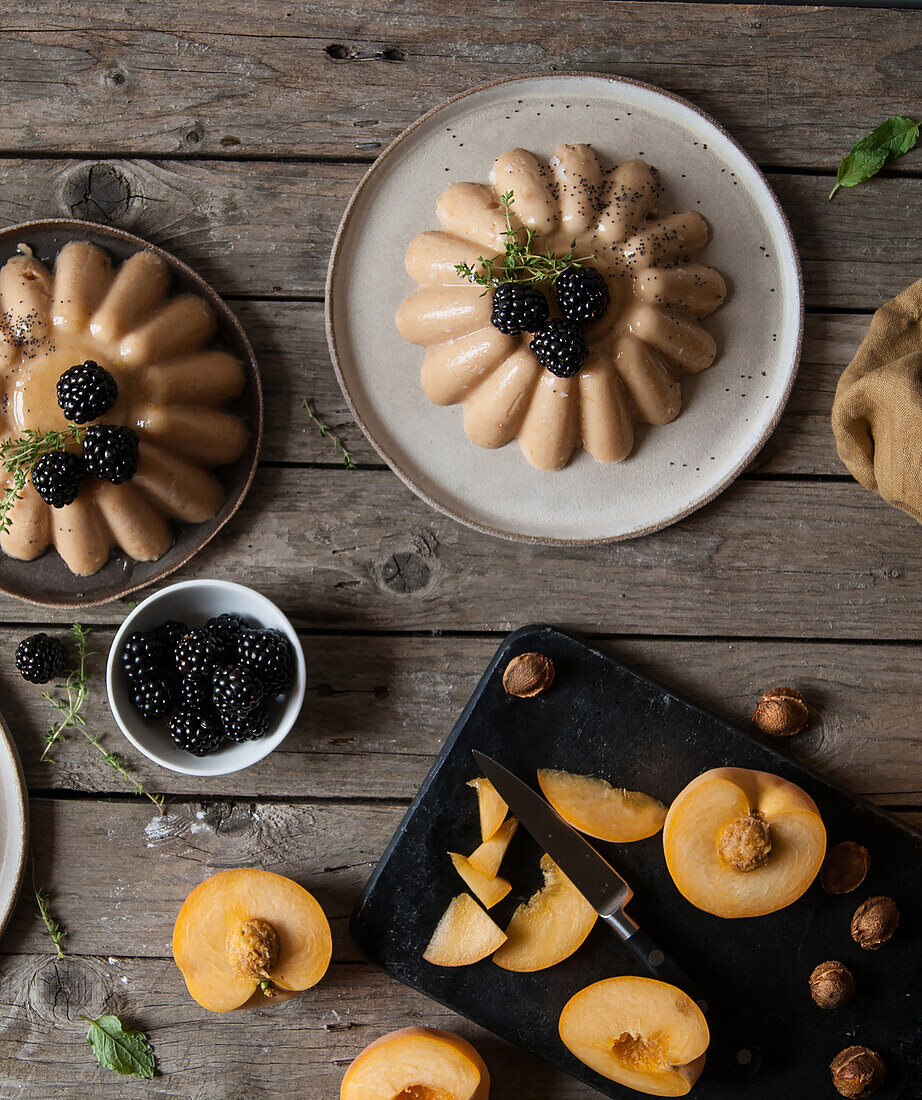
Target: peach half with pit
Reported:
point(743, 843)
point(417, 1063)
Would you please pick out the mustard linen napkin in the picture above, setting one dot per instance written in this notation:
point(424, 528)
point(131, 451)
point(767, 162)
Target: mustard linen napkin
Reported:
point(877, 411)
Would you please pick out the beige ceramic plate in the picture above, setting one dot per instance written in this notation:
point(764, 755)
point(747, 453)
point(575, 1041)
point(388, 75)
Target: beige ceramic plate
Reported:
point(729, 410)
point(13, 825)
point(48, 581)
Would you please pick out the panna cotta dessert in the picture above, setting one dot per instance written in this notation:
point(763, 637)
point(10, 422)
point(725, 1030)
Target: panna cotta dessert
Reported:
point(559, 306)
point(112, 407)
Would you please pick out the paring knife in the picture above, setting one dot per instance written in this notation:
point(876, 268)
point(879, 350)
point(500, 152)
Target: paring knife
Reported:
point(608, 893)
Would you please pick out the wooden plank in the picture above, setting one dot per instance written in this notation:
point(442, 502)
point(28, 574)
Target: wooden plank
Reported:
point(322, 79)
point(289, 337)
point(379, 708)
point(300, 1048)
point(356, 550)
point(233, 221)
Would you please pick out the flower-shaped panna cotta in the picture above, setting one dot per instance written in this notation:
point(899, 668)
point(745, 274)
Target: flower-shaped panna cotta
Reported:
point(171, 391)
point(648, 335)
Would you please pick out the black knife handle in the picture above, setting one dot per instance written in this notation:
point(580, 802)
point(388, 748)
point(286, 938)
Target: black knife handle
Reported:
point(737, 1052)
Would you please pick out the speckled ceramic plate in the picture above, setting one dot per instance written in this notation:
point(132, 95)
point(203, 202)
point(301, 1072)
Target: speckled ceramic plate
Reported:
point(47, 580)
point(14, 826)
point(728, 410)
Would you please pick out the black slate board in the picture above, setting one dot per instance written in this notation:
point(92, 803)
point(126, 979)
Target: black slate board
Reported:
point(602, 718)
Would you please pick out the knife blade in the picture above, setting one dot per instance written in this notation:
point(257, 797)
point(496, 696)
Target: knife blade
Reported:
point(608, 893)
point(591, 874)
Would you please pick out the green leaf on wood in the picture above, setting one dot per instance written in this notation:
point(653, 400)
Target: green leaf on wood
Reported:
point(124, 1051)
point(889, 140)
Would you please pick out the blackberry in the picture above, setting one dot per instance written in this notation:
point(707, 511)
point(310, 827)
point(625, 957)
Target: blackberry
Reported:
point(194, 693)
point(153, 699)
point(142, 656)
point(40, 658)
point(246, 727)
point(582, 295)
point(85, 392)
point(169, 635)
point(224, 629)
point(518, 309)
point(110, 453)
point(198, 733)
point(236, 690)
point(57, 477)
point(560, 347)
point(268, 654)
point(197, 654)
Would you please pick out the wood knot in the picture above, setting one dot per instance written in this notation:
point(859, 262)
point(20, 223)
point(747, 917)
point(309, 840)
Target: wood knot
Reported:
point(338, 52)
point(61, 990)
point(99, 192)
point(405, 572)
point(226, 818)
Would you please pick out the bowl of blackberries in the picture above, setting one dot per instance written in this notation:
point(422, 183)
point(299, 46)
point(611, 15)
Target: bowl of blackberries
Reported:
point(206, 677)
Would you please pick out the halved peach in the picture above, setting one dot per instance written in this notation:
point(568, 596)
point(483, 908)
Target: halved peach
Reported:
point(487, 858)
point(645, 1034)
point(417, 1063)
point(548, 927)
point(464, 935)
point(246, 935)
point(488, 891)
point(743, 843)
point(493, 809)
point(594, 806)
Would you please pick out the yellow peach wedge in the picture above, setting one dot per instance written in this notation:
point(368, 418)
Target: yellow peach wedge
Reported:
point(594, 806)
point(247, 937)
point(417, 1063)
point(464, 935)
point(488, 891)
point(742, 843)
point(487, 858)
point(548, 927)
point(644, 1034)
point(493, 809)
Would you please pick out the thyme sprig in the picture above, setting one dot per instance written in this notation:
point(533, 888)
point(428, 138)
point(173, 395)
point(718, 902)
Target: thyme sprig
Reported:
point(19, 455)
point(522, 263)
point(326, 432)
point(68, 702)
point(53, 930)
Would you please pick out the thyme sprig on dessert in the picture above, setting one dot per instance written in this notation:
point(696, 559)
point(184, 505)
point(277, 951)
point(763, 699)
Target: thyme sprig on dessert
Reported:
point(68, 699)
point(18, 457)
point(523, 262)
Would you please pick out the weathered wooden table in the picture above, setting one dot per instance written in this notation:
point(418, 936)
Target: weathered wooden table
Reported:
point(234, 139)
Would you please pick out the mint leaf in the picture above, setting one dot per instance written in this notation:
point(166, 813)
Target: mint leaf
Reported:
point(126, 1052)
point(890, 139)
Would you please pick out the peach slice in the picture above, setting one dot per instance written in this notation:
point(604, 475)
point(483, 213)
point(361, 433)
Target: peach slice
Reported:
point(464, 935)
point(493, 809)
point(594, 806)
point(488, 890)
point(743, 843)
point(644, 1034)
point(487, 858)
point(417, 1063)
point(548, 927)
point(246, 935)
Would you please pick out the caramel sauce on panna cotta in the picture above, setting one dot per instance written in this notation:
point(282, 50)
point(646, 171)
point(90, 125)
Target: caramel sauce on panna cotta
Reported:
point(172, 390)
point(648, 336)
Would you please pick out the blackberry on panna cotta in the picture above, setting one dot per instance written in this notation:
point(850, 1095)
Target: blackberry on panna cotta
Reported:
point(85, 392)
point(110, 453)
point(40, 658)
point(582, 295)
point(560, 347)
point(57, 477)
point(518, 308)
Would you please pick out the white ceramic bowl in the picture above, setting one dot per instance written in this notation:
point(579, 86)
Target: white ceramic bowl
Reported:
point(194, 602)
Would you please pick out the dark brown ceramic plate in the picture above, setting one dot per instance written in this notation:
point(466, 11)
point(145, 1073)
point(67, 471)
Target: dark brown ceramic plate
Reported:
point(48, 581)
